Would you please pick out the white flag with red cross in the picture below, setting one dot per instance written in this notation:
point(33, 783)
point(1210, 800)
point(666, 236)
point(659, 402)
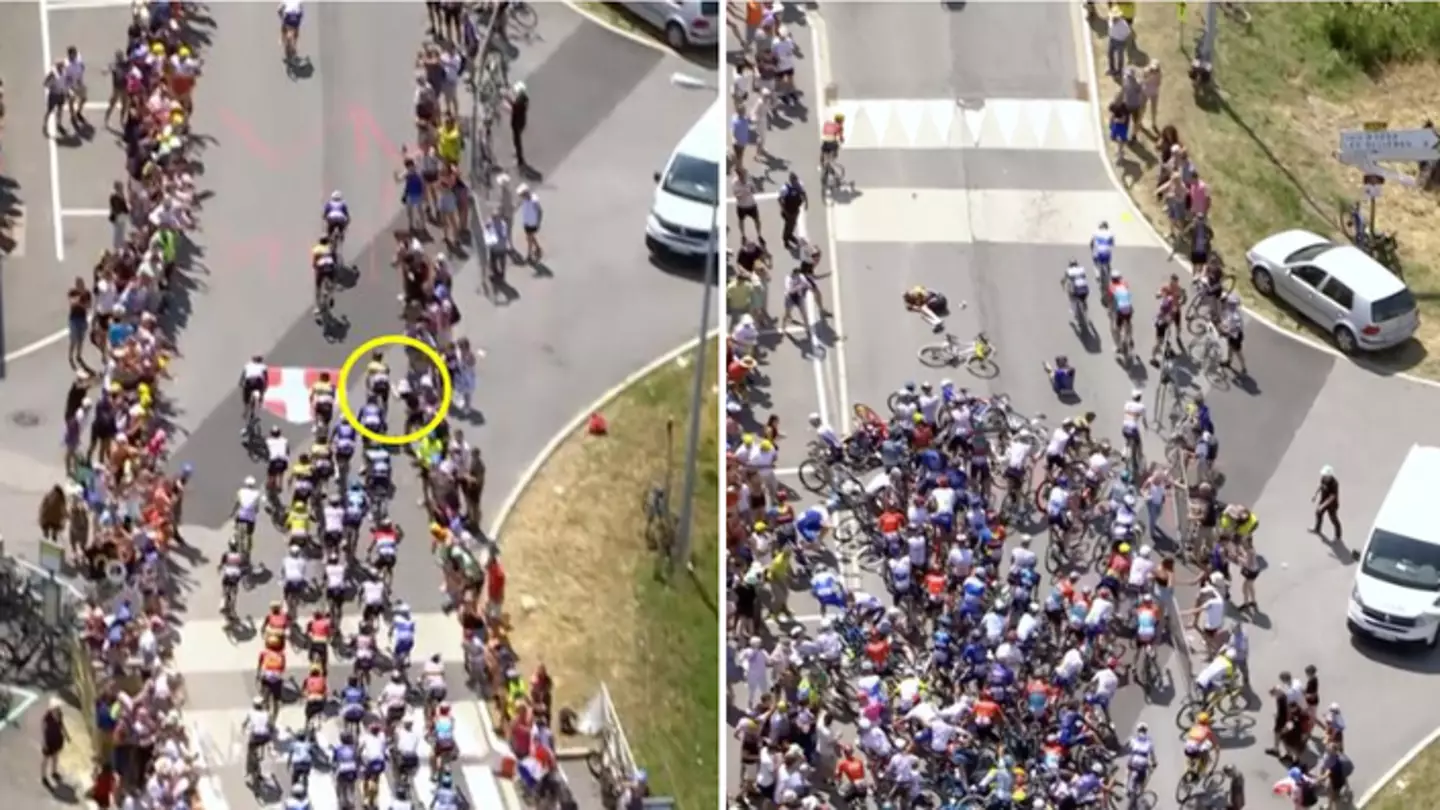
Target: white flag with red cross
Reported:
point(287, 392)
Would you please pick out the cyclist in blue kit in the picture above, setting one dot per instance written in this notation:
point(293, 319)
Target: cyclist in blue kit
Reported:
point(1102, 247)
point(337, 216)
point(345, 764)
point(402, 635)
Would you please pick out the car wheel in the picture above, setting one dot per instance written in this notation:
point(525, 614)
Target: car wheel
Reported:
point(1345, 340)
point(675, 36)
point(1262, 280)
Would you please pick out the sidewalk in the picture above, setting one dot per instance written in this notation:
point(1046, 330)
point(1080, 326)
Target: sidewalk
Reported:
point(20, 761)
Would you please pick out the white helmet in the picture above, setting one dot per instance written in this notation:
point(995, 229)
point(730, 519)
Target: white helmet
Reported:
point(1137, 394)
point(336, 196)
point(815, 419)
point(1145, 552)
point(249, 480)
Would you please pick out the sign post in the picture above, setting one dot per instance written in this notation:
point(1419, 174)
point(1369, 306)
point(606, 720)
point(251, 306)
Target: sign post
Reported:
point(1364, 148)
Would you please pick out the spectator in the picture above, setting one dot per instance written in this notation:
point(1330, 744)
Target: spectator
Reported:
point(1327, 501)
point(54, 737)
point(1117, 42)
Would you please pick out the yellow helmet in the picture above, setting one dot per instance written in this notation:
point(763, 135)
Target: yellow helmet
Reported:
point(747, 439)
point(1203, 718)
point(1124, 548)
point(917, 418)
point(839, 117)
point(766, 445)
point(760, 526)
point(437, 530)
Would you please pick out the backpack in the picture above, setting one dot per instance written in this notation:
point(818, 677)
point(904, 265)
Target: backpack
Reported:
point(1309, 796)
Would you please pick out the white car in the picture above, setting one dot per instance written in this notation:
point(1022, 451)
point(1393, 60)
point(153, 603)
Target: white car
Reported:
point(686, 23)
point(1396, 596)
point(1355, 299)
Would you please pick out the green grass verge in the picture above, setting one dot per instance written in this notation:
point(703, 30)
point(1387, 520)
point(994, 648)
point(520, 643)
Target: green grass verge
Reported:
point(675, 734)
point(1417, 785)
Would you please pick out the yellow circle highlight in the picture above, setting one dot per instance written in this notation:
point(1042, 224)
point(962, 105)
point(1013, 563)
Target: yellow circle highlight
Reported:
point(446, 391)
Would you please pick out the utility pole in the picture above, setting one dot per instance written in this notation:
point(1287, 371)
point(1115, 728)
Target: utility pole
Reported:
point(681, 555)
point(1212, 31)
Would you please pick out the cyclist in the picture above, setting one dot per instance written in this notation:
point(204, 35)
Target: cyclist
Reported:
point(931, 305)
point(1200, 744)
point(446, 797)
point(832, 136)
point(402, 635)
point(384, 544)
point(343, 439)
point(1077, 285)
point(253, 380)
point(1132, 421)
point(372, 415)
point(393, 698)
point(344, 761)
point(246, 509)
point(337, 216)
point(302, 481)
point(270, 677)
point(332, 526)
point(322, 261)
point(322, 402)
point(828, 438)
point(290, 14)
point(232, 568)
point(1141, 758)
point(354, 704)
point(407, 749)
point(443, 731)
point(1102, 247)
point(297, 524)
point(292, 571)
point(373, 755)
point(277, 453)
point(1147, 625)
point(1218, 674)
point(377, 474)
point(377, 377)
point(276, 626)
point(1061, 374)
point(324, 462)
point(1124, 311)
point(356, 506)
point(258, 730)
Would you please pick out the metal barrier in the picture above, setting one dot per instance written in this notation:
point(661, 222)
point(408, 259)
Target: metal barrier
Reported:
point(483, 114)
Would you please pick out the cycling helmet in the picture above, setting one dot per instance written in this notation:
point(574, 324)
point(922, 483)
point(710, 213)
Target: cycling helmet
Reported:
point(1097, 769)
point(815, 419)
point(1296, 774)
point(1104, 226)
point(1233, 299)
point(1062, 481)
point(1074, 263)
point(336, 196)
point(1115, 275)
point(1146, 551)
point(1203, 718)
point(1137, 394)
point(1141, 728)
point(298, 791)
point(925, 386)
point(249, 480)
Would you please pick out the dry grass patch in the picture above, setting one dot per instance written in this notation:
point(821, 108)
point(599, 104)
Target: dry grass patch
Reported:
point(576, 557)
point(1266, 142)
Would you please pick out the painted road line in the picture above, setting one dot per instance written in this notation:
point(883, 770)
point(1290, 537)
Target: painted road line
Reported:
point(760, 197)
point(27, 697)
point(1057, 125)
point(787, 471)
point(85, 5)
point(35, 346)
point(85, 212)
point(96, 105)
point(786, 331)
point(1004, 216)
point(51, 149)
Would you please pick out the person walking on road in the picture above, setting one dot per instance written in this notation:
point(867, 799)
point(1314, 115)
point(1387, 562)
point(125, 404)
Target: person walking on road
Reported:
point(746, 206)
point(531, 215)
point(519, 117)
point(56, 93)
point(1327, 501)
point(793, 202)
point(79, 301)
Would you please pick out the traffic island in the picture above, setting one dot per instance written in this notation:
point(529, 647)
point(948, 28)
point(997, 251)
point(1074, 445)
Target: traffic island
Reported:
point(583, 593)
point(1288, 79)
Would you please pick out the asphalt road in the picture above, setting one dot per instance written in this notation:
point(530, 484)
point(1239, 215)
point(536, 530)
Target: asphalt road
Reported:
point(938, 200)
point(604, 117)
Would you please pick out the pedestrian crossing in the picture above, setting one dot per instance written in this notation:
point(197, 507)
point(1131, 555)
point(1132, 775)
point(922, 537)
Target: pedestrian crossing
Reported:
point(996, 216)
point(220, 742)
point(946, 123)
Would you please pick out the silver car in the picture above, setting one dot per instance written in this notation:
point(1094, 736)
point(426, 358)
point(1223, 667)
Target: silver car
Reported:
point(686, 23)
point(1360, 303)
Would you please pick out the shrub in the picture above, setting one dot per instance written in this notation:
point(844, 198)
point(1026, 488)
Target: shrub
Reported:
point(1371, 36)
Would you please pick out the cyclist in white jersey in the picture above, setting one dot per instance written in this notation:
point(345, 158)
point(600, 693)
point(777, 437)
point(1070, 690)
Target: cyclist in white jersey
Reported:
point(292, 571)
point(1102, 247)
point(277, 454)
point(393, 697)
point(827, 435)
point(433, 680)
point(1059, 445)
point(1077, 285)
point(333, 521)
point(372, 599)
point(407, 747)
point(335, 580)
point(1140, 751)
point(247, 506)
point(1017, 456)
point(253, 380)
point(1134, 417)
point(257, 724)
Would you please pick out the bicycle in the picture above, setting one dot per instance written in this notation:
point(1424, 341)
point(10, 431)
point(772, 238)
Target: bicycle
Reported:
point(1381, 246)
point(977, 356)
point(660, 524)
point(832, 174)
point(325, 300)
point(1226, 701)
point(523, 16)
point(1203, 306)
point(1197, 778)
point(1208, 351)
point(251, 434)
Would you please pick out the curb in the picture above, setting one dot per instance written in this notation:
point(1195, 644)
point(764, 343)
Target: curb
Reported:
point(1395, 769)
point(1103, 139)
point(638, 39)
point(487, 726)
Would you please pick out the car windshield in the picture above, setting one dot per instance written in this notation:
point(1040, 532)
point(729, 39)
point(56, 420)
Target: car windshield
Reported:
point(693, 179)
point(1308, 253)
point(1395, 306)
point(1403, 561)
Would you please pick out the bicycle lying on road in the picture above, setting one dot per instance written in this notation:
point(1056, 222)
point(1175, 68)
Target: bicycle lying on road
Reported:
point(978, 355)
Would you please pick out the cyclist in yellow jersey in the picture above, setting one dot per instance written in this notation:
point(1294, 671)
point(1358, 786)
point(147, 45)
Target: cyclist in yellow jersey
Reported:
point(322, 401)
point(322, 261)
point(377, 377)
point(297, 521)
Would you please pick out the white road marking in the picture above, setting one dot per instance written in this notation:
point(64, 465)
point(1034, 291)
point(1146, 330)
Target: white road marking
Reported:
point(35, 346)
point(787, 470)
point(1052, 125)
point(84, 212)
point(50, 148)
point(84, 5)
point(963, 216)
point(96, 105)
point(787, 331)
point(761, 197)
point(849, 571)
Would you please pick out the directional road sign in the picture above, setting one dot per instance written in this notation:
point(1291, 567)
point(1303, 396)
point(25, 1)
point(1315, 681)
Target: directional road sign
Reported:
point(1359, 146)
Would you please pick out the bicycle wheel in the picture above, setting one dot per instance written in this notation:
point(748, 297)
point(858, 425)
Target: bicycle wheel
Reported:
point(893, 402)
point(1185, 717)
point(848, 528)
point(983, 367)
point(523, 16)
point(813, 476)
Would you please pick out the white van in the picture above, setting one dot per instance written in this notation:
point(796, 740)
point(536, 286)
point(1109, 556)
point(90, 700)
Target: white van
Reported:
point(687, 193)
point(1397, 586)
